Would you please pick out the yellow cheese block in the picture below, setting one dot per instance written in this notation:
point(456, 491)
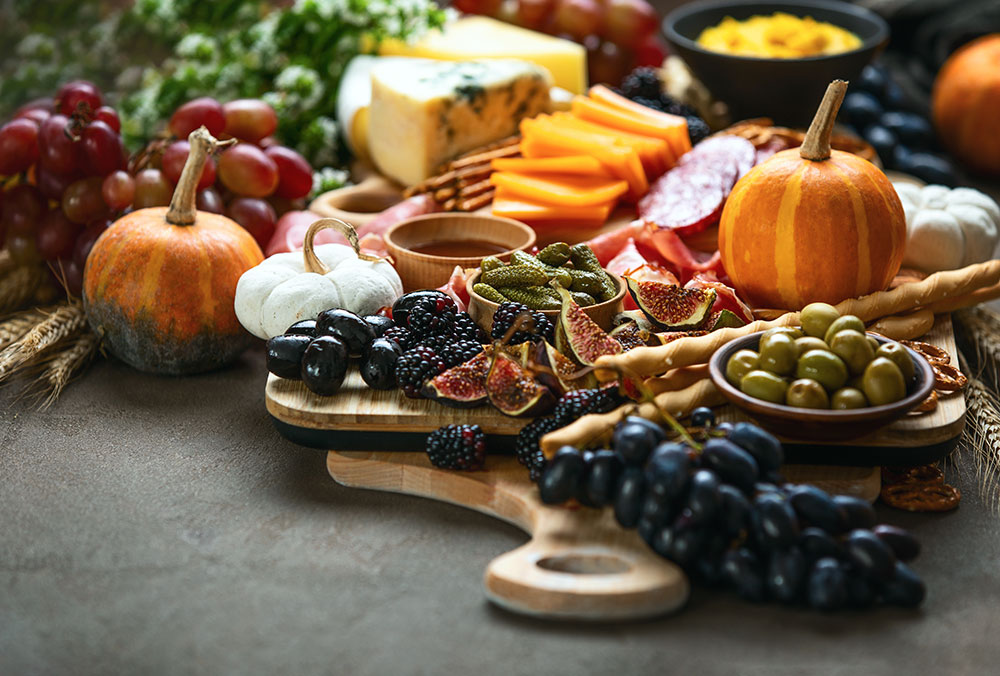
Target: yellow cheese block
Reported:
point(480, 37)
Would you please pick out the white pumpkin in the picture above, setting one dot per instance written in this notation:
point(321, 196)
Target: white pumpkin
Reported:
point(946, 228)
point(289, 287)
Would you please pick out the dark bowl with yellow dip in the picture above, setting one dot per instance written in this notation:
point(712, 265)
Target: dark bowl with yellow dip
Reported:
point(786, 89)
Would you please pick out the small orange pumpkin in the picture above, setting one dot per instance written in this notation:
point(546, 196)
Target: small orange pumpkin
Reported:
point(811, 224)
point(159, 283)
point(966, 104)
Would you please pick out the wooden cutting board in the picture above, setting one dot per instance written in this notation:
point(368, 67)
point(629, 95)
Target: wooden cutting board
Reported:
point(579, 563)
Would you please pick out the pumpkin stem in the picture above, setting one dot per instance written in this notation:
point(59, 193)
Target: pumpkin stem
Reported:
point(816, 145)
point(183, 210)
point(312, 261)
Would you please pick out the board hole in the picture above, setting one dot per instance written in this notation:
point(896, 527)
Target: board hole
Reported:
point(584, 564)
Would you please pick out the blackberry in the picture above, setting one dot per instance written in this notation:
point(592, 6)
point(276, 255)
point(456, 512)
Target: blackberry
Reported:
point(526, 447)
point(430, 316)
point(697, 129)
point(461, 351)
point(467, 329)
point(401, 336)
point(674, 107)
point(642, 82)
point(415, 368)
point(437, 342)
point(578, 403)
point(460, 447)
point(655, 103)
point(508, 312)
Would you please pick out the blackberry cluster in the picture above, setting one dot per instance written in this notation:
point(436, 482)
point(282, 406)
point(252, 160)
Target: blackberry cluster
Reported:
point(467, 329)
point(415, 368)
point(642, 82)
point(698, 131)
point(431, 316)
point(401, 336)
point(461, 447)
point(508, 312)
point(526, 447)
point(643, 86)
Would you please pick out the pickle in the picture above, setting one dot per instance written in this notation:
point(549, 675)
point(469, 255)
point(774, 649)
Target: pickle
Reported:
point(535, 297)
point(489, 293)
point(521, 258)
point(587, 282)
point(584, 258)
point(582, 299)
point(515, 275)
point(561, 275)
point(555, 254)
point(490, 263)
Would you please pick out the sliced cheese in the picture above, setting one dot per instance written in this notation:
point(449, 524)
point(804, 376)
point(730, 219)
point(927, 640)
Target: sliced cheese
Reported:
point(480, 37)
point(518, 208)
point(425, 113)
point(569, 191)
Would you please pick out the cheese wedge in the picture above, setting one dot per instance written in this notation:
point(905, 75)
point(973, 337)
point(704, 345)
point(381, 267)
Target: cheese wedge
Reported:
point(480, 37)
point(425, 113)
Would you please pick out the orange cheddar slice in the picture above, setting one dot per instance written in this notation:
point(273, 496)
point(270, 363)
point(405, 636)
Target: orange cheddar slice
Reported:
point(567, 191)
point(656, 154)
point(566, 164)
point(672, 127)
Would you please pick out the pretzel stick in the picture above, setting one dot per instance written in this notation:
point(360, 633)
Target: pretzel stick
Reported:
point(596, 428)
point(648, 361)
point(477, 202)
point(475, 188)
point(444, 194)
point(479, 158)
point(677, 379)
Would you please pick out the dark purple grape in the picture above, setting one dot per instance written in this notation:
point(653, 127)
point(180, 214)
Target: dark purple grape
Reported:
point(905, 588)
point(284, 355)
point(901, 542)
point(605, 469)
point(628, 501)
point(861, 591)
point(709, 566)
point(702, 416)
point(912, 129)
point(581, 485)
point(817, 544)
point(686, 546)
point(562, 476)
point(826, 588)
point(669, 470)
point(735, 510)
point(656, 509)
point(355, 332)
point(663, 541)
point(324, 365)
point(883, 141)
point(378, 369)
point(859, 512)
point(816, 508)
point(761, 444)
point(730, 462)
point(634, 441)
point(861, 109)
point(379, 323)
point(786, 575)
point(873, 79)
point(869, 554)
point(742, 569)
point(774, 522)
point(704, 500)
point(305, 327)
point(653, 428)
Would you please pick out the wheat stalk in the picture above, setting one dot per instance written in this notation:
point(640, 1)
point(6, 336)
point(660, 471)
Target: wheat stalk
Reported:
point(983, 437)
point(18, 285)
point(979, 331)
point(15, 326)
point(63, 321)
point(62, 365)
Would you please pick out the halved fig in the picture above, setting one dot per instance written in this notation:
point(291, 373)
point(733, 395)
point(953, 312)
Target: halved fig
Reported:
point(462, 386)
point(630, 335)
point(724, 319)
point(514, 391)
point(637, 316)
point(558, 372)
point(585, 340)
point(672, 306)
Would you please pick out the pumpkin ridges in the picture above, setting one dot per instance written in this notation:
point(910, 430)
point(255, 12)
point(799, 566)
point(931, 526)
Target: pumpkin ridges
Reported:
point(862, 233)
point(784, 231)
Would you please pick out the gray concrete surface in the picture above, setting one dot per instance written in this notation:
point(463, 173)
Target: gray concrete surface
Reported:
point(162, 526)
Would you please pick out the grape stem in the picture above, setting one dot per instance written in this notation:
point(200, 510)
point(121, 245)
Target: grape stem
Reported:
point(647, 395)
point(183, 209)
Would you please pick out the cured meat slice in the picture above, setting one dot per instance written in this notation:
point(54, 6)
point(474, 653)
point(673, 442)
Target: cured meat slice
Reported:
point(725, 295)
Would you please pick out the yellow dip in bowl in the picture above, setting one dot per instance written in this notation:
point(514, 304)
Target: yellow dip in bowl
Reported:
point(779, 36)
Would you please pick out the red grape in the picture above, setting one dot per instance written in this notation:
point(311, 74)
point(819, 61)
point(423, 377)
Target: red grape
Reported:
point(267, 142)
point(534, 13)
point(85, 241)
point(256, 216)
point(174, 158)
point(109, 116)
point(102, 149)
point(628, 23)
point(83, 202)
point(651, 52)
point(118, 190)
point(52, 185)
point(489, 7)
point(55, 236)
point(579, 18)
point(18, 146)
point(195, 113)
point(43, 104)
point(294, 173)
point(247, 171)
point(209, 200)
point(72, 277)
point(57, 151)
point(72, 94)
point(152, 189)
point(22, 248)
point(606, 62)
point(36, 115)
point(22, 207)
point(250, 119)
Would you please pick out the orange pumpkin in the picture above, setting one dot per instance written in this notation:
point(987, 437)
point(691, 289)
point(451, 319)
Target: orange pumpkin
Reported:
point(811, 224)
point(159, 283)
point(966, 104)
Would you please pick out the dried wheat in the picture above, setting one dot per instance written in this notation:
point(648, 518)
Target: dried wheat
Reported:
point(63, 365)
point(63, 321)
point(18, 286)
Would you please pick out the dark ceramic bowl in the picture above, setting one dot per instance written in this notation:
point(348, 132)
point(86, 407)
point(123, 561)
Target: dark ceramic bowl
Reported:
point(819, 424)
point(786, 90)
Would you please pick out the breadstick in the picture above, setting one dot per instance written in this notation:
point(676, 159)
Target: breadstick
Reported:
point(974, 298)
point(648, 361)
point(596, 428)
point(905, 327)
point(677, 379)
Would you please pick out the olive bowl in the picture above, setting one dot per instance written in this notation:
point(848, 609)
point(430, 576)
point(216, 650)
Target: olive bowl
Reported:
point(819, 424)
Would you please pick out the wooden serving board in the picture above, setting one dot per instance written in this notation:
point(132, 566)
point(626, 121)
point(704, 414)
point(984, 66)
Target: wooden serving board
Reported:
point(579, 563)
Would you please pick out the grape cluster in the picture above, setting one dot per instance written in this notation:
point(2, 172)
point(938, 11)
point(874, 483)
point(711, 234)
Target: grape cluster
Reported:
point(724, 515)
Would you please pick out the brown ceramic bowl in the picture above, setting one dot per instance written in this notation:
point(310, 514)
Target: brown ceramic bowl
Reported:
point(428, 271)
point(819, 424)
point(482, 310)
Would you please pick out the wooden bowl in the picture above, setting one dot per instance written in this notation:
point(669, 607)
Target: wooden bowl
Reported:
point(819, 424)
point(426, 271)
point(358, 204)
point(482, 310)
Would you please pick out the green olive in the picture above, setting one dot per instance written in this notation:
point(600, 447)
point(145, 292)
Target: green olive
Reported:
point(900, 356)
point(874, 343)
point(740, 364)
point(845, 322)
point(817, 317)
point(824, 367)
point(789, 331)
point(807, 343)
point(883, 382)
point(764, 385)
point(778, 355)
point(853, 347)
point(806, 393)
point(857, 382)
point(848, 397)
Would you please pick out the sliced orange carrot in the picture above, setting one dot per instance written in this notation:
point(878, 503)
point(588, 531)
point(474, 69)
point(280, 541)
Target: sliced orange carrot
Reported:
point(567, 164)
point(672, 125)
point(655, 153)
point(567, 191)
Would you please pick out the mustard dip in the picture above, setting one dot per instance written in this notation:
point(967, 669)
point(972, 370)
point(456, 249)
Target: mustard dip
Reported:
point(779, 36)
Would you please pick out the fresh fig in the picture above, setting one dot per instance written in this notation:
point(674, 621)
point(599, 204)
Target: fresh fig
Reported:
point(637, 316)
point(724, 319)
point(462, 386)
point(558, 372)
point(630, 335)
point(585, 340)
point(514, 391)
point(672, 306)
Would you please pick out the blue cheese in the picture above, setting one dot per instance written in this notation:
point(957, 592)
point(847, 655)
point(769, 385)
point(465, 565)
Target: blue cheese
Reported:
point(425, 113)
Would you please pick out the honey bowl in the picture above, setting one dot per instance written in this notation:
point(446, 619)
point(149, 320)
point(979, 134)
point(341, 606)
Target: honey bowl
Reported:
point(426, 249)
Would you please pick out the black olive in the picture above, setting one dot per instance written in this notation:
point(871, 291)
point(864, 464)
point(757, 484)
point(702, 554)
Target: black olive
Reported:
point(284, 355)
point(861, 109)
point(883, 141)
point(928, 167)
point(354, 331)
point(910, 128)
point(324, 365)
point(401, 308)
point(379, 367)
point(305, 327)
point(379, 323)
point(873, 80)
